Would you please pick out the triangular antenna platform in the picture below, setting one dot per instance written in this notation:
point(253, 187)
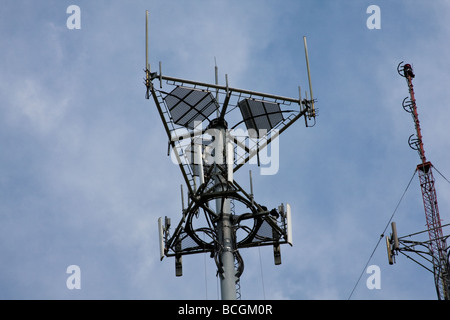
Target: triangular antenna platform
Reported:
point(213, 130)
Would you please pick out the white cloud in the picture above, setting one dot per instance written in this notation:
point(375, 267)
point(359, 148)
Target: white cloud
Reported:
point(30, 103)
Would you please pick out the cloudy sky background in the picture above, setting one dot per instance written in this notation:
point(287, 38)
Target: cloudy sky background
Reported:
point(84, 173)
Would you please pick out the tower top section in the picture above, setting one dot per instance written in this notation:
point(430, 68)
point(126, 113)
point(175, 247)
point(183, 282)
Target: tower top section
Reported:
point(410, 106)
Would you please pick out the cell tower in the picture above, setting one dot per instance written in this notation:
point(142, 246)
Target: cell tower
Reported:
point(213, 130)
point(435, 249)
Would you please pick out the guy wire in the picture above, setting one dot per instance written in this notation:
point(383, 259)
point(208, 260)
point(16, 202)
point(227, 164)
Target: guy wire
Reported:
point(382, 235)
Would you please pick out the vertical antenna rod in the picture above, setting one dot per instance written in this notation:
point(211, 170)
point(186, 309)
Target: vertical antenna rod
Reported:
point(216, 81)
point(309, 77)
point(146, 38)
point(146, 42)
point(147, 65)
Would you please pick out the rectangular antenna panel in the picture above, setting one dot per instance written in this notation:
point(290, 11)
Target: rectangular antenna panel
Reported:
point(198, 161)
point(289, 224)
point(188, 105)
point(260, 115)
point(389, 251)
point(161, 239)
point(230, 161)
point(396, 244)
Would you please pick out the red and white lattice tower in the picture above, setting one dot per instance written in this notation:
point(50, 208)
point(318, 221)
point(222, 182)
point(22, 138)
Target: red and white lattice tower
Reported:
point(437, 244)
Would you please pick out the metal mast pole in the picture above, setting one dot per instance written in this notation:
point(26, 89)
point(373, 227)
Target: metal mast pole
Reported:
point(225, 229)
point(227, 277)
point(437, 244)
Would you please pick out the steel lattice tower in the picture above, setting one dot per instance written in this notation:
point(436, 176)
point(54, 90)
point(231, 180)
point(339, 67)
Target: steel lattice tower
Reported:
point(437, 242)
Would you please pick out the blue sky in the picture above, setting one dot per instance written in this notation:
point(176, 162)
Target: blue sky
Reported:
point(84, 173)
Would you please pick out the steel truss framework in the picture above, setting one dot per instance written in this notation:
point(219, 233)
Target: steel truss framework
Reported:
point(254, 225)
point(214, 130)
point(422, 253)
